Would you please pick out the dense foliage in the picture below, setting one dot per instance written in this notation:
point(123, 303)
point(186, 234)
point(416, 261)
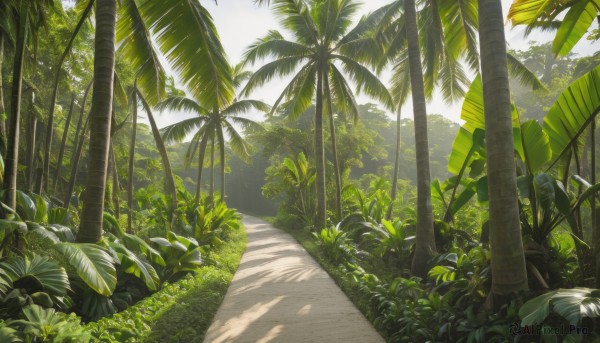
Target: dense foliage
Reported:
point(478, 231)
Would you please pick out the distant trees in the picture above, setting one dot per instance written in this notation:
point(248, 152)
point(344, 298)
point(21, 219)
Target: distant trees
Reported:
point(322, 40)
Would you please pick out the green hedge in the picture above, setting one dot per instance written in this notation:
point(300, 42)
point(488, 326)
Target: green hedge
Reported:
point(182, 311)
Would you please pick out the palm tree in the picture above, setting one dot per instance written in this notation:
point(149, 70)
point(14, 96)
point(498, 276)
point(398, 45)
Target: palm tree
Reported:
point(187, 37)
point(212, 125)
point(90, 229)
point(508, 259)
point(130, 169)
point(322, 43)
point(26, 18)
point(63, 143)
point(448, 34)
point(53, 98)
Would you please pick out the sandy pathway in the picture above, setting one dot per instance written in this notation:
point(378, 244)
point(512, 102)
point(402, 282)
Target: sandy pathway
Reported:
point(280, 294)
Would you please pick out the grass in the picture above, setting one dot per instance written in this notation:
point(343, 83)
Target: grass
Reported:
point(360, 299)
point(181, 311)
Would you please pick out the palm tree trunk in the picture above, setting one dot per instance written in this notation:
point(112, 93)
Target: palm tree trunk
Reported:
point(2, 109)
point(212, 170)
point(31, 132)
point(595, 212)
point(90, 229)
point(53, 97)
point(130, 169)
point(75, 162)
point(396, 163)
point(61, 153)
point(116, 189)
point(508, 260)
point(320, 155)
point(160, 145)
point(222, 158)
point(336, 165)
point(80, 120)
point(425, 245)
point(200, 168)
point(12, 152)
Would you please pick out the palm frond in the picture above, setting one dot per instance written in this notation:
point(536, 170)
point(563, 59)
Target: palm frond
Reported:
point(188, 39)
point(246, 124)
point(431, 36)
point(244, 106)
point(273, 45)
point(453, 81)
point(460, 22)
point(520, 72)
point(136, 47)
point(334, 17)
point(300, 92)
point(400, 84)
point(237, 143)
point(280, 67)
point(181, 103)
point(366, 81)
point(341, 94)
point(295, 16)
point(373, 20)
point(178, 131)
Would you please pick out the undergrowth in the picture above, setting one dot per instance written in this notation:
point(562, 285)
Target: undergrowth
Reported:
point(181, 311)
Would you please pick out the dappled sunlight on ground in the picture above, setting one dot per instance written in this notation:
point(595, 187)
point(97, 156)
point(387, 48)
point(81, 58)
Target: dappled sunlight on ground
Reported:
point(280, 294)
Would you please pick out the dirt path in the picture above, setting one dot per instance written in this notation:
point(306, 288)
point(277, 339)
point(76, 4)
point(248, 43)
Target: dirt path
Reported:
point(280, 294)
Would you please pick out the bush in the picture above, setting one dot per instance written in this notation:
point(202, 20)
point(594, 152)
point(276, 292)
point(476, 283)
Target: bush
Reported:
point(181, 311)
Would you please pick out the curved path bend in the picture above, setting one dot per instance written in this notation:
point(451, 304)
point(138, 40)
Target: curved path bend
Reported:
point(280, 294)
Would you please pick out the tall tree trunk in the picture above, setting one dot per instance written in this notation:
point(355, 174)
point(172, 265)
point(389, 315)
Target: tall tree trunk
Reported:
point(61, 153)
point(222, 158)
point(200, 168)
point(595, 212)
point(130, 170)
point(90, 229)
point(2, 109)
point(509, 273)
point(75, 162)
point(320, 155)
point(160, 145)
point(54, 96)
point(81, 118)
point(31, 133)
point(336, 164)
point(212, 170)
point(396, 163)
point(12, 152)
point(116, 188)
point(425, 245)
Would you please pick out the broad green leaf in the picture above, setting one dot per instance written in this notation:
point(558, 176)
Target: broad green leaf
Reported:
point(463, 198)
point(529, 11)
point(543, 184)
point(572, 112)
point(136, 243)
point(536, 310)
point(536, 146)
point(132, 264)
point(577, 21)
point(38, 274)
point(575, 304)
point(93, 265)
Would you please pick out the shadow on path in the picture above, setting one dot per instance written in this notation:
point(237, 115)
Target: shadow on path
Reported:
point(280, 294)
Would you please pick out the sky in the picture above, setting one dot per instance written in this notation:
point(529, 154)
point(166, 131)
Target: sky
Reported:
point(241, 22)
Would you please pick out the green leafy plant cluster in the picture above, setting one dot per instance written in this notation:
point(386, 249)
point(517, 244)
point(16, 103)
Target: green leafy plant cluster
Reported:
point(173, 313)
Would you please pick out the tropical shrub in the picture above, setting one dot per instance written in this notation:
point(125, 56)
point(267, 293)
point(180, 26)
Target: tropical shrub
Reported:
point(573, 308)
point(40, 324)
point(336, 245)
